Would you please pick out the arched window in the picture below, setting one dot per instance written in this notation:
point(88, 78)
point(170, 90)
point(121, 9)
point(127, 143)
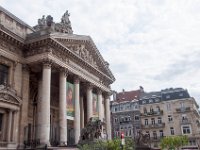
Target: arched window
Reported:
point(157, 108)
point(151, 109)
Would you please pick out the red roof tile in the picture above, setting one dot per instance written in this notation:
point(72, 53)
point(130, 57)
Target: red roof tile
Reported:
point(128, 95)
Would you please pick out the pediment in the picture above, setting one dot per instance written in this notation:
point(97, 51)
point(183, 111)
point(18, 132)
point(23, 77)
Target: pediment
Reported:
point(85, 49)
point(9, 96)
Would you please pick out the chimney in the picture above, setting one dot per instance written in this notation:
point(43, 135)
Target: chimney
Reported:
point(123, 91)
point(141, 89)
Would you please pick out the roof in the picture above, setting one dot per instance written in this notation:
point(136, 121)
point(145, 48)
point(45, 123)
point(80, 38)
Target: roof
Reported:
point(128, 95)
point(148, 95)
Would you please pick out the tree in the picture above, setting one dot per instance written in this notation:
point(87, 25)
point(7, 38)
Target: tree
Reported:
point(173, 142)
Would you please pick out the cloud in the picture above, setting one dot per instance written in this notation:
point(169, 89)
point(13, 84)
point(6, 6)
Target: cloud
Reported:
point(151, 43)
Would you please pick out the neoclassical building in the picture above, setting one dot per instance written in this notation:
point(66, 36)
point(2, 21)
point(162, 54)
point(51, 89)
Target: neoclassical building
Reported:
point(51, 82)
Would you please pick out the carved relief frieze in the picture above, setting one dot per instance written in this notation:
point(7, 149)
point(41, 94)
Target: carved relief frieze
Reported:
point(82, 51)
point(7, 94)
point(39, 50)
point(60, 54)
point(6, 46)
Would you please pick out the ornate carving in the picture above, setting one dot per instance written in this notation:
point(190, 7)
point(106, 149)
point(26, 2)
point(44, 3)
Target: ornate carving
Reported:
point(64, 71)
point(5, 45)
point(91, 131)
point(81, 51)
point(76, 80)
point(47, 62)
point(47, 23)
point(9, 95)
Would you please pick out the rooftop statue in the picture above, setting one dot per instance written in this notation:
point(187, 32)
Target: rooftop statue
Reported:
point(47, 24)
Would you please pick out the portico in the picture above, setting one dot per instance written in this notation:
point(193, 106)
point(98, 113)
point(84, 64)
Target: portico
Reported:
point(55, 81)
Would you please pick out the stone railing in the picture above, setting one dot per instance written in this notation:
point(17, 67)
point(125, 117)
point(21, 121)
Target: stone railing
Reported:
point(157, 125)
point(184, 109)
point(154, 113)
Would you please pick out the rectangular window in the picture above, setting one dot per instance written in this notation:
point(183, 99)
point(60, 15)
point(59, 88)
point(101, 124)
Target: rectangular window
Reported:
point(146, 121)
point(159, 120)
point(154, 135)
point(172, 130)
point(152, 121)
point(186, 129)
point(170, 119)
point(168, 106)
point(3, 74)
point(137, 117)
point(161, 133)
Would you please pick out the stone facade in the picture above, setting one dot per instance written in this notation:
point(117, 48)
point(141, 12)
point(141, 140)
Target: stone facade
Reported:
point(37, 64)
point(125, 114)
point(163, 113)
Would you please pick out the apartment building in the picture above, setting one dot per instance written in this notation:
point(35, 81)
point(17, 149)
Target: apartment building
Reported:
point(168, 112)
point(125, 114)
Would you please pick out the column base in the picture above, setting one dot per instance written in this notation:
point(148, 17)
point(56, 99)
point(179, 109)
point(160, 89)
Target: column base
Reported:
point(62, 144)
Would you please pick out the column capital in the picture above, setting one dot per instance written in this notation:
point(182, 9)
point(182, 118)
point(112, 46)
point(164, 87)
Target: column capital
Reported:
point(99, 91)
point(76, 80)
point(47, 62)
point(89, 85)
point(64, 71)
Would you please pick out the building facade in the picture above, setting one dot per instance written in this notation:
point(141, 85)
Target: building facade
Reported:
point(168, 112)
point(125, 114)
point(51, 82)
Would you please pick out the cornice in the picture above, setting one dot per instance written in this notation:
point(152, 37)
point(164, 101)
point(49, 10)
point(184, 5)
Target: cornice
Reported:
point(11, 37)
point(62, 52)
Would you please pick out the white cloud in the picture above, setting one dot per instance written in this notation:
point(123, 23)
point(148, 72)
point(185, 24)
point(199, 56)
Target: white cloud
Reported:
point(151, 43)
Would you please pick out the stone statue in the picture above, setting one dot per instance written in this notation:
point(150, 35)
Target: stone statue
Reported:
point(47, 24)
point(49, 20)
point(91, 131)
point(42, 22)
point(65, 18)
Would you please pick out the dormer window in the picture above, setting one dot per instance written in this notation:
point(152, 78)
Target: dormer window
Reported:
point(180, 94)
point(150, 101)
point(3, 74)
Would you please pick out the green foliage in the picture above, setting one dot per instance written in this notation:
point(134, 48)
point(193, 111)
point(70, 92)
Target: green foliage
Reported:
point(114, 144)
point(173, 142)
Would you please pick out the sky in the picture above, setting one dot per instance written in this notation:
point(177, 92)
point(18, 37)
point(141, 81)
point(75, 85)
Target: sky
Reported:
point(149, 43)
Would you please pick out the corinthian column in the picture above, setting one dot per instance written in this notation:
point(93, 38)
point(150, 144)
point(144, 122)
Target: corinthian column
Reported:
point(89, 102)
point(77, 110)
point(99, 92)
point(62, 108)
point(108, 123)
point(44, 124)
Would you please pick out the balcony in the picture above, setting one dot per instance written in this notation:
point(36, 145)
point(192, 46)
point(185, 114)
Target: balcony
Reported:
point(185, 121)
point(184, 109)
point(154, 113)
point(157, 125)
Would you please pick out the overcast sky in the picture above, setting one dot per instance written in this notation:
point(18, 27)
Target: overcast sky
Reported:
point(149, 43)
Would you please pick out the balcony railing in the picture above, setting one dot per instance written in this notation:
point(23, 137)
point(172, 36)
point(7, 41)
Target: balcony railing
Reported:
point(153, 113)
point(184, 109)
point(157, 125)
point(186, 121)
